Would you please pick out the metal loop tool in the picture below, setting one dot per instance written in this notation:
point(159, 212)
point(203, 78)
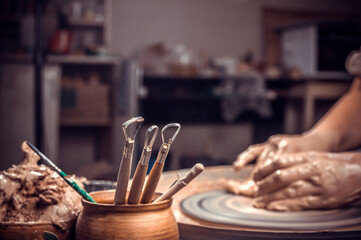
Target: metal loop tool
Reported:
point(171, 125)
point(125, 165)
point(135, 120)
point(136, 123)
point(148, 145)
point(157, 168)
point(142, 167)
point(164, 149)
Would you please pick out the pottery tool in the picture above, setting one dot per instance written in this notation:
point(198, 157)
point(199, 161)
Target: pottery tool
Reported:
point(181, 182)
point(66, 178)
point(157, 168)
point(142, 167)
point(125, 165)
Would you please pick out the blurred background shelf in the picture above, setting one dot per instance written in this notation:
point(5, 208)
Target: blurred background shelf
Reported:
point(83, 59)
point(84, 123)
point(82, 22)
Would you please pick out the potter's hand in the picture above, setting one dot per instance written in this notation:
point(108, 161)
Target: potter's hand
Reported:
point(280, 144)
point(274, 147)
point(311, 180)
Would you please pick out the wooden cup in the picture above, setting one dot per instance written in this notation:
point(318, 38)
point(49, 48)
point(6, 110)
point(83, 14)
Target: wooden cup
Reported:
point(104, 220)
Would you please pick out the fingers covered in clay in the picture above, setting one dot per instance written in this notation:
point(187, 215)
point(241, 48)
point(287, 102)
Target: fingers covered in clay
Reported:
point(297, 189)
point(296, 204)
point(247, 187)
point(319, 180)
point(284, 160)
point(276, 145)
point(284, 177)
point(278, 162)
point(248, 156)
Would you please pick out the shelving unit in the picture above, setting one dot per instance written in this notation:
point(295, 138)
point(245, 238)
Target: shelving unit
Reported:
point(189, 100)
point(82, 124)
point(83, 102)
point(87, 104)
point(76, 22)
point(88, 122)
point(82, 59)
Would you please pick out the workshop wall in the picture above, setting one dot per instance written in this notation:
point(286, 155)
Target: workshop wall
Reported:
point(215, 27)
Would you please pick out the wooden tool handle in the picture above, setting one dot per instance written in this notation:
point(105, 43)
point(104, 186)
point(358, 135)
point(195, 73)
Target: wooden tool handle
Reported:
point(152, 182)
point(122, 182)
point(124, 173)
point(137, 184)
point(181, 183)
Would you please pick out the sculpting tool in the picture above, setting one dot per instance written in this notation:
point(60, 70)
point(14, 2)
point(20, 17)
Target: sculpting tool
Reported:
point(66, 178)
point(141, 171)
point(181, 182)
point(125, 165)
point(157, 168)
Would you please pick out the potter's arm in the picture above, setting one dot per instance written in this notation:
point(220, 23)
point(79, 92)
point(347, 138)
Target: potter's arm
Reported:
point(313, 180)
point(338, 130)
point(343, 121)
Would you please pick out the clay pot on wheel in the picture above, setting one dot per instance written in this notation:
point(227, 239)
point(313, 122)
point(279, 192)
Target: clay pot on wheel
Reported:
point(104, 220)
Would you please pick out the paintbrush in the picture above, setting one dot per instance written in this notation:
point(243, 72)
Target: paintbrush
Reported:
point(66, 178)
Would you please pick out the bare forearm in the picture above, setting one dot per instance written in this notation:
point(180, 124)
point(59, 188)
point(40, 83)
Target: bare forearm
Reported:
point(344, 120)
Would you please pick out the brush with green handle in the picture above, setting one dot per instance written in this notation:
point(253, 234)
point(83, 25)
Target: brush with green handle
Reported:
point(66, 178)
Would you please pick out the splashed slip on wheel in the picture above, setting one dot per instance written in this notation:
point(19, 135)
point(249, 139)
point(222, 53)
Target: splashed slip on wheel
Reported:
point(224, 208)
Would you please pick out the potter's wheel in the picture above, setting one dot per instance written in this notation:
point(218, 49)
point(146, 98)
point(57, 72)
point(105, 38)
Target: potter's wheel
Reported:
point(206, 196)
point(225, 208)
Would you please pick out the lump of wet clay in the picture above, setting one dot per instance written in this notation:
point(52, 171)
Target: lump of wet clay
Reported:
point(32, 193)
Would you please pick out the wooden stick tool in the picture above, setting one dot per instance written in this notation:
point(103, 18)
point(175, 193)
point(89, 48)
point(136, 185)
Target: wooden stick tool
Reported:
point(141, 171)
point(181, 182)
point(125, 165)
point(157, 168)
